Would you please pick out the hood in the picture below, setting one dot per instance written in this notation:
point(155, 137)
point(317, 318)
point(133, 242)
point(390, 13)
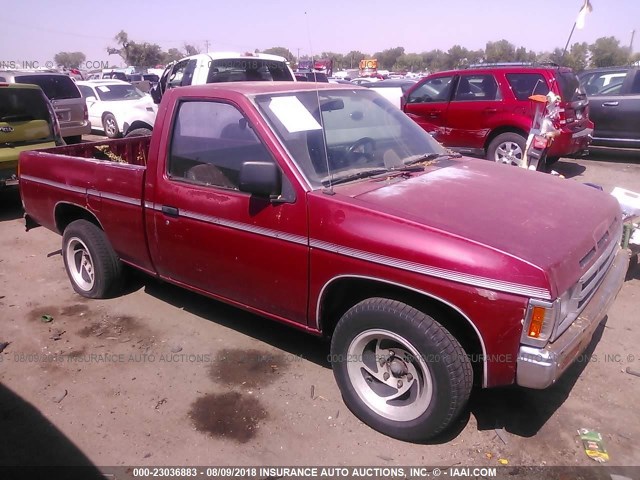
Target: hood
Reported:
point(552, 223)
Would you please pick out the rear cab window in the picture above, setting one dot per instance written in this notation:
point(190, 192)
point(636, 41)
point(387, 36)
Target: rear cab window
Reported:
point(56, 87)
point(25, 117)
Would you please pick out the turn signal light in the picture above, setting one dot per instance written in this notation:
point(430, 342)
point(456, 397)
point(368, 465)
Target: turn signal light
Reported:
point(537, 322)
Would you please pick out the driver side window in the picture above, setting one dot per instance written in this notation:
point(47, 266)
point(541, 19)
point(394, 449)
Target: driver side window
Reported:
point(432, 90)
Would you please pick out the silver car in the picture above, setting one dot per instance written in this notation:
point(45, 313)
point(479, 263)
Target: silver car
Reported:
point(65, 97)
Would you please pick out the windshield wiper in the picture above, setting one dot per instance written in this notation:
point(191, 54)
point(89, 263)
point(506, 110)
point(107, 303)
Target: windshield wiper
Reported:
point(354, 176)
point(425, 157)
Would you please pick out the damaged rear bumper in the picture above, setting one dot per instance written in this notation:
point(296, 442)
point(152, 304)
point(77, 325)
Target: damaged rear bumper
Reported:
point(541, 367)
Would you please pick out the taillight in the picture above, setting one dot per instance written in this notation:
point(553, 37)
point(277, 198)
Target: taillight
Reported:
point(540, 142)
point(86, 112)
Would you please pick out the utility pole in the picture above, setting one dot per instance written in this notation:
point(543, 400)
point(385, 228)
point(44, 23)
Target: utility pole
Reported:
point(206, 45)
point(633, 34)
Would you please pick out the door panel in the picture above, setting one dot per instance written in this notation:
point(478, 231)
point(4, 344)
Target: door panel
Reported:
point(427, 105)
point(210, 235)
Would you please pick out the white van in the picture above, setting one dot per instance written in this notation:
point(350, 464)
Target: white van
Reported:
point(223, 67)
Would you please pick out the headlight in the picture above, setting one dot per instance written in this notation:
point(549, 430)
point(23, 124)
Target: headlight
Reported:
point(540, 322)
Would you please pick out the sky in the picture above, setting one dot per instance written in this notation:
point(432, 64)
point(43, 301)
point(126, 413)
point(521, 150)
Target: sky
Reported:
point(35, 30)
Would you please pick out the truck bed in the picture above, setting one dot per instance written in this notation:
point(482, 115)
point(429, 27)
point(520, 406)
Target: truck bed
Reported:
point(104, 178)
point(132, 150)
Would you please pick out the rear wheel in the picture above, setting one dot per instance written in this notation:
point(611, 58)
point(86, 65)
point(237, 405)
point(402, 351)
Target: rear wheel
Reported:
point(507, 148)
point(92, 265)
point(110, 126)
point(399, 371)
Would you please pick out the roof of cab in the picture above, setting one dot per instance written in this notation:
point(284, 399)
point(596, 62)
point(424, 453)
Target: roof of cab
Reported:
point(19, 85)
point(260, 88)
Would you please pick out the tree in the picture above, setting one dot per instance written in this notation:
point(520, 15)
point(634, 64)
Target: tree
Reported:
point(635, 59)
point(281, 51)
point(409, 62)
point(435, 60)
point(69, 59)
point(500, 51)
point(457, 57)
point(578, 57)
point(190, 50)
point(352, 59)
point(173, 55)
point(607, 52)
point(387, 58)
point(143, 55)
point(524, 56)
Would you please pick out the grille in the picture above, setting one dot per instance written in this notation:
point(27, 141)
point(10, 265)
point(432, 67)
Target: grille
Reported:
point(590, 281)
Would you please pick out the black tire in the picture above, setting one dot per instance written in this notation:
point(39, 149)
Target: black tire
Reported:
point(110, 126)
point(82, 241)
point(448, 375)
point(73, 140)
point(138, 132)
point(507, 139)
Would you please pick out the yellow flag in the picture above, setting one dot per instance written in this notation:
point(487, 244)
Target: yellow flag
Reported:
point(586, 8)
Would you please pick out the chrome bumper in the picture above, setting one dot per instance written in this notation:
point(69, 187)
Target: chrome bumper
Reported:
point(541, 367)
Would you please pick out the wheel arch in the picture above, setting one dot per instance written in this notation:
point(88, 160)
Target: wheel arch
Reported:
point(67, 212)
point(135, 125)
point(344, 291)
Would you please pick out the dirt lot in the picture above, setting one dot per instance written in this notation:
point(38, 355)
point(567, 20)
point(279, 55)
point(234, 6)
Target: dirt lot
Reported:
point(161, 376)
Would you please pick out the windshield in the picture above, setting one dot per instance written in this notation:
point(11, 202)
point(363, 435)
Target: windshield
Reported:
point(365, 133)
point(248, 69)
point(108, 93)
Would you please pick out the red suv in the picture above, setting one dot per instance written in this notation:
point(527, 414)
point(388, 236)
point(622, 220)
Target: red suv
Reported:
point(486, 111)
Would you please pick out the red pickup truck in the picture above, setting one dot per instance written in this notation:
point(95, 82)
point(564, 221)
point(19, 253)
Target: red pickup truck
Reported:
point(327, 208)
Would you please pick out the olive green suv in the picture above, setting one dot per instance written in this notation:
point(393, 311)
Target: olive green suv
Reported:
point(27, 122)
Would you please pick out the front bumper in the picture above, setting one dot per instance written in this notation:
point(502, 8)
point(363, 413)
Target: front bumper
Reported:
point(541, 367)
point(72, 129)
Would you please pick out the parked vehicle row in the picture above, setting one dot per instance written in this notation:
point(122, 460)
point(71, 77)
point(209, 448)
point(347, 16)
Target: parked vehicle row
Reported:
point(65, 97)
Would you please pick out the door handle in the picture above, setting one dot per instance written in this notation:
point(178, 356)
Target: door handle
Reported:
point(434, 114)
point(170, 211)
point(610, 104)
point(490, 110)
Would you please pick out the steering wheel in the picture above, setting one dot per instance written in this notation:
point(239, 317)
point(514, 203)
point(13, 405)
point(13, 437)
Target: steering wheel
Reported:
point(364, 147)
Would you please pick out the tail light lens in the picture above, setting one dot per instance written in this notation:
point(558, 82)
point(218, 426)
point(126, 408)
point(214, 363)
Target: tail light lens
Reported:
point(540, 142)
point(86, 112)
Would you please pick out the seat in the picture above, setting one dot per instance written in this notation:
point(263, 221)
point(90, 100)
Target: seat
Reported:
point(209, 174)
point(464, 90)
point(490, 88)
point(238, 131)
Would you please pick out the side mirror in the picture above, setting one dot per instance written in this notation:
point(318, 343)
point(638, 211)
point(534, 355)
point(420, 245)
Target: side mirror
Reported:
point(261, 179)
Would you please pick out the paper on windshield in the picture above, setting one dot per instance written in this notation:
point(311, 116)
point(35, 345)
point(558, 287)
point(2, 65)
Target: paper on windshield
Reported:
point(293, 114)
point(102, 88)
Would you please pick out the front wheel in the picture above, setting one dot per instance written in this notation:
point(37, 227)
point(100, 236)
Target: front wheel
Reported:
point(138, 132)
point(110, 126)
point(92, 265)
point(399, 371)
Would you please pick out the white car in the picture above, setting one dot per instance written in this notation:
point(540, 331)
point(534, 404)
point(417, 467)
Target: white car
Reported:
point(118, 108)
